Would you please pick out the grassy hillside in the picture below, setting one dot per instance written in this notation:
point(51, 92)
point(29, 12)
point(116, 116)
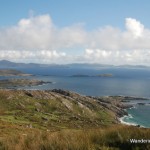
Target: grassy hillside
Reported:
point(62, 120)
point(107, 138)
point(52, 110)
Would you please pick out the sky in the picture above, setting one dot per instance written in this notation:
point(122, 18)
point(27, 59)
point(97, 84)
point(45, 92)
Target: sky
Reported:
point(75, 31)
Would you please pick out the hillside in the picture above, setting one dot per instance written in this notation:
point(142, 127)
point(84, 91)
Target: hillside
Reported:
point(63, 120)
point(54, 109)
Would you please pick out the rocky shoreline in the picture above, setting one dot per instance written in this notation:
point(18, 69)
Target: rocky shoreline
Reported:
point(15, 83)
point(113, 103)
point(59, 108)
point(13, 72)
point(117, 104)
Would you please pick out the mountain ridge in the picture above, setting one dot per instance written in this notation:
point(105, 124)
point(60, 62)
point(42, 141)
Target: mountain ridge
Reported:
point(6, 63)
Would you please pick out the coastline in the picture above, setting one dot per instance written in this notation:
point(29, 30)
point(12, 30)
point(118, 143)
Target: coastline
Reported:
point(130, 102)
point(131, 124)
point(121, 119)
point(21, 83)
point(114, 103)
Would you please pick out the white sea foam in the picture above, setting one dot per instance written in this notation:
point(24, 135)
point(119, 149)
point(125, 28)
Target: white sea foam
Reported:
point(134, 107)
point(130, 116)
point(127, 123)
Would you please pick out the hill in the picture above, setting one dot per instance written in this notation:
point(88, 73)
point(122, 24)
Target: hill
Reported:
point(54, 109)
point(9, 64)
point(63, 120)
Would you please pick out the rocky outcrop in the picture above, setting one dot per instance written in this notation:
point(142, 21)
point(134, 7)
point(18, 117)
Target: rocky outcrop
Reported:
point(60, 108)
point(111, 103)
point(114, 103)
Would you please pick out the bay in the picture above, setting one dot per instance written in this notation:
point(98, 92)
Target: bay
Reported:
point(124, 81)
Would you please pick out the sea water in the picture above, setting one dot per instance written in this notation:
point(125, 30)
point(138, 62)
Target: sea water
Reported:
point(139, 114)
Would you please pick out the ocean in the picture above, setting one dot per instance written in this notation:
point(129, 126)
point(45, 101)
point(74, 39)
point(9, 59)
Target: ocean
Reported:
point(124, 81)
point(138, 114)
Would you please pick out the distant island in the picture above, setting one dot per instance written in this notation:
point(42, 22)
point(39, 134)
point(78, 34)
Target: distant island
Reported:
point(12, 72)
point(105, 75)
point(13, 83)
point(99, 75)
point(80, 75)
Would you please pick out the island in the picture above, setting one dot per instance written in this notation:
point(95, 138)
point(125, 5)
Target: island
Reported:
point(14, 83)
point(99, 75)
point(105, 75)
point(80, 75)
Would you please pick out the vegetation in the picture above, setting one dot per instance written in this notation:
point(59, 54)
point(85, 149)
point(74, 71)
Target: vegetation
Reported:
point(112, 138)
point(11, 83)
point(62, 120)
point(12, 72)
point(52, 110)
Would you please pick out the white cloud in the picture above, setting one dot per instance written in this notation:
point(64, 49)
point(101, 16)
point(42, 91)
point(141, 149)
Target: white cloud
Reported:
point(117, 57)
point(38, 38)
point(39, 32)
point(42, 56)
point(104, 38)
point(134, 27)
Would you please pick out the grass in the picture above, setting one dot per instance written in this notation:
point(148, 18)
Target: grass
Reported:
point(52, 111)
point(39, 120)
point(110, 138)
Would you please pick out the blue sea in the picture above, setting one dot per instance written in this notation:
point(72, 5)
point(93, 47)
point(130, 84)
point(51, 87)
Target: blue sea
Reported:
point(138, 114)
point(125, 81)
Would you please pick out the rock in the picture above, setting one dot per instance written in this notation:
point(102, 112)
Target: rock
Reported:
point(44, 118)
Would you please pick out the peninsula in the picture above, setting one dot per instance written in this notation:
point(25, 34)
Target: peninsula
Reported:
point(13, 83)
point(12, 72)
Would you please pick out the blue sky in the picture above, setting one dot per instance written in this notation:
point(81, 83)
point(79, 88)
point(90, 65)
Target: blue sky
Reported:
point(93, 13)
point(95, 31)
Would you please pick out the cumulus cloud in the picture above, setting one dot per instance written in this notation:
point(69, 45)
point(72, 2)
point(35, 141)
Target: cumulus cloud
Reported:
point(39, 32)
point(134, 27)
point(38, 38)
point(117, 57)
point(43, 56)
